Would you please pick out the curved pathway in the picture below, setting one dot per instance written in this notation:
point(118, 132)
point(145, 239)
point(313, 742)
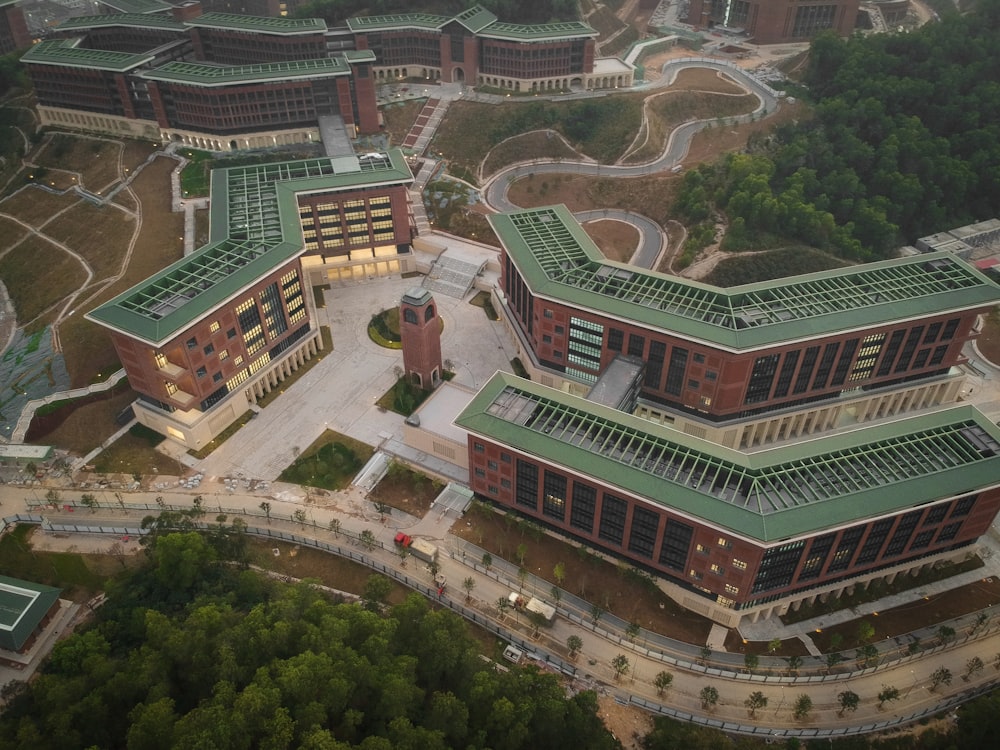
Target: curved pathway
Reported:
point(494, 191)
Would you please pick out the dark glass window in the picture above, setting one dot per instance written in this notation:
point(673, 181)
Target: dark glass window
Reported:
point(909, 347)
point(616, 339)
point(964, 506)
point(554, 497)
point(805, 372)
point(932, 333)
point(209, 349)
point(785, 377)
point(872, 545)
point(231, 333)
point(612, 525)
point(949, 532)
point(890, 352)
point(921, 358)
point(844, 363)
point(527, 485)
point(654, 365)
point(936, 514)
point(904, 530)
point(636, 345)
point(676, 544)
point(675, 373)
point(939, 353)
point(202, 372)
point(761, 378)
point(949, 329)
point(825, 365)
point(778, 566)
point(845, 550)
point(922, 540)
point(818, 552)
point(581, 514)
point(192, 343)
point(642, 536)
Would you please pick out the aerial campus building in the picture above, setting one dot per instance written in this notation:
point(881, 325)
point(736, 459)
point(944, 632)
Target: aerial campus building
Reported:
point(207, 336)
point(13, 29)
point(775, 443)
point(221, 81)
point(775, 21)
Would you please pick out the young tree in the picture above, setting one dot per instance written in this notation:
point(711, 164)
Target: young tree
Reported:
point(833, 660)
point(487, 560)
point(574, 643)
point(866, 655)
point(836, 641)
point(982, 619)
point(794, 662)
point(803, 705)
point(773, 645)
point(502, 606)
point(945, 634)
point(750, 661)
point(709, 697)
point(848, 701)
point(556, 593)
point(632, 631)
point(404, 552)
point(89, 501)
point(468, 584)
point(266, 507)
point(973, 666)
point(559, 573)
point(367, 539)
point(596, 613)
point(756, 700)
point(866, 631)
point(299, 516)
point(662, 682)
point(940, 676)
point(887, 695)
point(620, 665)
point(52, 497)
point(334, 527)
point(704, 655)
point(383, 509)
point(522, 552)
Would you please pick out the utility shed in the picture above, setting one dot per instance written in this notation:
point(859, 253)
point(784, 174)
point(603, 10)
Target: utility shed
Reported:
point(25, 608)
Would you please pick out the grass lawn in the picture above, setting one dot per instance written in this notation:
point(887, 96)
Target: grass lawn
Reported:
point(80, 577)
point(135, 453)
point(329, 463)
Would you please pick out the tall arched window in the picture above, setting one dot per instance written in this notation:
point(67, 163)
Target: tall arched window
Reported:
point(409, 316)
point(428, 313)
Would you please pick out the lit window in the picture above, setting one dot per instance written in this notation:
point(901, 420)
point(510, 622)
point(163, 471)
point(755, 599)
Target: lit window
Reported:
point(702, 549)
point(214, 327)
point(717, 569)
point(224, 354)
point(731, 589)
point(723, 542)
point(739, 564)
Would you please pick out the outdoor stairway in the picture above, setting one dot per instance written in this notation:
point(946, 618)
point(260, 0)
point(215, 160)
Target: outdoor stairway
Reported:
point(426, 123)
point(452, 276)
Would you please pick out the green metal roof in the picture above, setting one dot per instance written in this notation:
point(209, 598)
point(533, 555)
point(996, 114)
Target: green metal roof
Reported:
point(209, 74)
point(769, 495)
point(397, 21)
point(23, 605)
point(141, 20)
point(255, 228)
point(354, 56)
point(560, 262)
point(138, 6)
point(260, 24)
point(540, 32)
point(475, 19)
point(65, 52)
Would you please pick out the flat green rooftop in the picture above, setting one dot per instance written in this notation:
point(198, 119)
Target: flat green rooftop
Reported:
point(479, 21)
point(138, 6)
point(560, 262)
point(65, 52)
point(22, 606)
point(260, 24)
point(538, 32)
point(209, 74)
point(396, 21)
point(770, 495)
point(137, 20)
point(255, 228)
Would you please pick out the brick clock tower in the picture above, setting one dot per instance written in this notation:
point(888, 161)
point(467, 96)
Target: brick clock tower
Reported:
point(420, 331)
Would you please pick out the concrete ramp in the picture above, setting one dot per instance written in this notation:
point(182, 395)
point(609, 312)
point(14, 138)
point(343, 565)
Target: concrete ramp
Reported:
point(333, 132)
point(453, 275)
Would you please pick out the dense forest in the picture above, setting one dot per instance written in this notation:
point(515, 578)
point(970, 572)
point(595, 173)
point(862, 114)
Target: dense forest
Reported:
point(189, 652)
point(904, 142)
point(515, 11)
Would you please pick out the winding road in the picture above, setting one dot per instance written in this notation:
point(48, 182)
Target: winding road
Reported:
point(653, 237)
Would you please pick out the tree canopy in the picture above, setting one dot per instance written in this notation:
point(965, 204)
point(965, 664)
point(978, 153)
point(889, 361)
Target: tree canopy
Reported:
point(229, 659)
point(904, 142)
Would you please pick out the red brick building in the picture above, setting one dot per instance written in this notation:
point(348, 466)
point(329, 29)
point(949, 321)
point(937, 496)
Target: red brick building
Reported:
point(776, 21)
point(209, 335)
point(13, 29)
point(789, 440)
